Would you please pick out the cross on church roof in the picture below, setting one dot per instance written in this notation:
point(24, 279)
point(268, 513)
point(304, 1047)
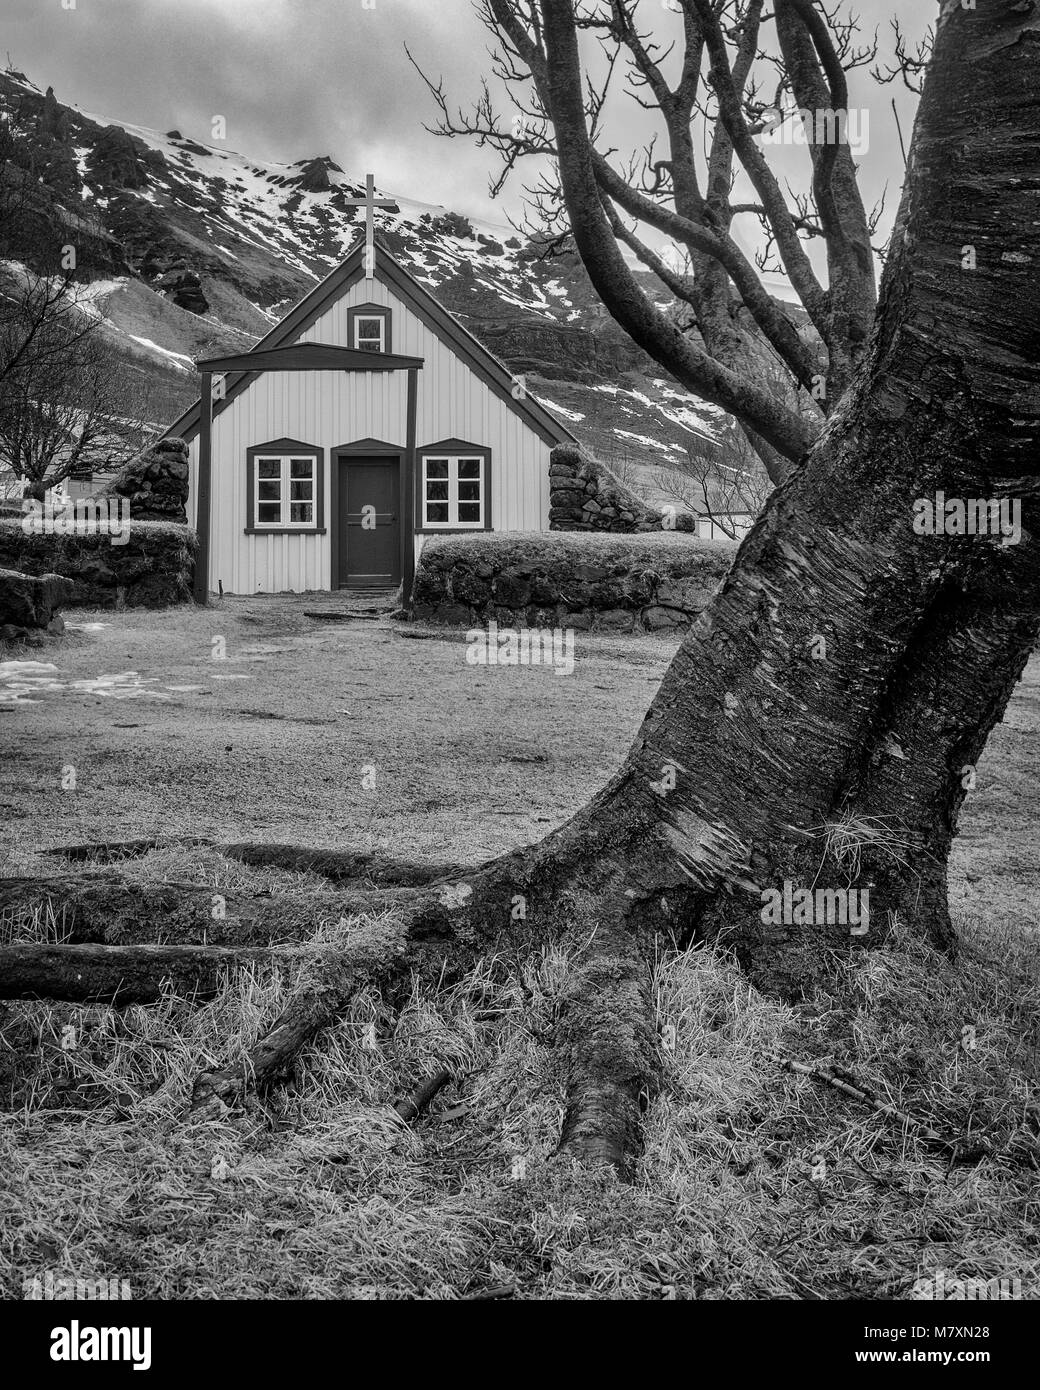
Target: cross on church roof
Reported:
point(370, 202)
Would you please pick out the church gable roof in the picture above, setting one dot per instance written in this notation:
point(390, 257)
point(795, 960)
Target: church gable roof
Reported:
point(484, 364)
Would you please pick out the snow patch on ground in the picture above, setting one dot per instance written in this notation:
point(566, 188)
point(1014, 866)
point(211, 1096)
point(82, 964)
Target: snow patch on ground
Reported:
point(180, 359)
point(643, 439)
point(561, 410)
point(20, 680)
point(123, 685)
point(24, 682)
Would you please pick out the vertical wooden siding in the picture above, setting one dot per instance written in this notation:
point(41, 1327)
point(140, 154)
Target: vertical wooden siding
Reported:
point(332, 408)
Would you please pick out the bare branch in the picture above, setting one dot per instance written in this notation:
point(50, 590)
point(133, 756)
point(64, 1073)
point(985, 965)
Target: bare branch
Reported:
point(607, 269)
point(796, 262)
point(911, 61)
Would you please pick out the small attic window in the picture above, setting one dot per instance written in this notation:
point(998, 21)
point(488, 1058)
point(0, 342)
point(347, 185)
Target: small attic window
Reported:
point(370, 328)
point(369, 334)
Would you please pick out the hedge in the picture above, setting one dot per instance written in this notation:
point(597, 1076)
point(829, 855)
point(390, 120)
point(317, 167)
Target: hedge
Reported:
point(577, 579)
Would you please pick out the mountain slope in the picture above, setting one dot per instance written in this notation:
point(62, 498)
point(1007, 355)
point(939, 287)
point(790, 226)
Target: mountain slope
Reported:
point(193, 249)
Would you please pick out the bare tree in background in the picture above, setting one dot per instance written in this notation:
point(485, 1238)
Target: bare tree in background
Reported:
point(726, 484)
point(63, 395)
point(63, 407)
point(39, 313)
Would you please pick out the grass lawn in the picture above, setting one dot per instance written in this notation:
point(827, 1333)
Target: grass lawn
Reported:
point(756, 1182)
point(274, 740)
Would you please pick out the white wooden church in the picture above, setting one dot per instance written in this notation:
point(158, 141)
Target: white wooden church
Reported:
point(365, 421)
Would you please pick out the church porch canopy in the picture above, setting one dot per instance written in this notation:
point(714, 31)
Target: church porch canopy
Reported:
point(309, 357)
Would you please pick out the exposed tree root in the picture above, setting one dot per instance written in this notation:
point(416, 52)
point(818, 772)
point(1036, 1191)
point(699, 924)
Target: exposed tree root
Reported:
point(339, 866)
point(609, 1040)
point(120, 974)
point(607, 1030)
point(112, 851)
point(104, 907)
point(370, 952)
point(608, 883)
point(271, 1058)
point(410, 1107)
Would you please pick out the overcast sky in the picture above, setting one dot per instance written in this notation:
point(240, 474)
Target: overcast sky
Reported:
point(297, 78)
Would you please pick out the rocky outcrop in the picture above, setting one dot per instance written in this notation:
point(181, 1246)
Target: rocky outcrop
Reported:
point(153, 569)
point(53, 149)
point(29, 604)
point(116, 160)
point(453, 224)
point(193, 147)
point(42, 173)
point(584, 496)
point(184, 287)
point(155, 483)
point(314, 174)
point(120, 161)
point(596, 583)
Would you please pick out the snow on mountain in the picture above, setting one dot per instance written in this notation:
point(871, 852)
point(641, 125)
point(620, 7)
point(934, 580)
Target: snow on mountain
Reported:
point(192, 248)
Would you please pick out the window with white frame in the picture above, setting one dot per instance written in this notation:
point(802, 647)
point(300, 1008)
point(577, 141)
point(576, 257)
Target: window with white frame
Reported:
point(285, 491)
point(454, 491)
point(369, 328)
point(370, 333)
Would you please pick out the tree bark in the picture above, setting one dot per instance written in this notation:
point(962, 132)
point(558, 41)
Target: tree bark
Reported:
point(771, 749)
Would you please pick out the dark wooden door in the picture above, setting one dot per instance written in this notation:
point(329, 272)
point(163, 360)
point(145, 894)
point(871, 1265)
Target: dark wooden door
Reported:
point(370, 523)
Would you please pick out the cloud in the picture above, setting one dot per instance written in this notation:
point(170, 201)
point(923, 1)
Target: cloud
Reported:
point(298, 78)
point(292, 80)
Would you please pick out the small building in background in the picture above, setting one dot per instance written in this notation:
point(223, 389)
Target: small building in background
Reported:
point(365, 421)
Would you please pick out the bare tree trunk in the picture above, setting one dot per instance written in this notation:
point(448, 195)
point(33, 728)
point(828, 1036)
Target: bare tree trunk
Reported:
point(849, 668)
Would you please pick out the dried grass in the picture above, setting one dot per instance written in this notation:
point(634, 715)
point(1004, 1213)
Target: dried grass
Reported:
point(327, 1194)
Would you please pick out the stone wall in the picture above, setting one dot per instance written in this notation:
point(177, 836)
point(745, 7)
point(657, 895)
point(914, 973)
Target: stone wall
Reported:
point(152, 570)
point(587, 582)
point(585, 496)
point(155, 483)
point(29, 604)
